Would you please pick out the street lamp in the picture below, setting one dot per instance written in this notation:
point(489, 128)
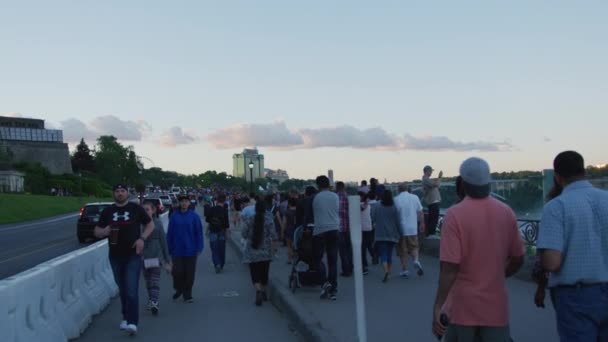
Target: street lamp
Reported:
point(251, 176)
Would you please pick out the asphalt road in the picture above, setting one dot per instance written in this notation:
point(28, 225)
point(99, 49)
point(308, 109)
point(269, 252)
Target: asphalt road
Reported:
point(25, 245)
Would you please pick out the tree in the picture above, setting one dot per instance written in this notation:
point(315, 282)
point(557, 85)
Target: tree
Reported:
point(82, 159)
point(114, 162)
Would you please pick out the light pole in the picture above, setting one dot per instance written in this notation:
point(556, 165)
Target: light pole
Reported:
point(251, 176)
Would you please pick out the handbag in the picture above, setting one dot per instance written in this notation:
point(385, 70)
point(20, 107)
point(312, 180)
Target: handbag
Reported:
point(151, 263)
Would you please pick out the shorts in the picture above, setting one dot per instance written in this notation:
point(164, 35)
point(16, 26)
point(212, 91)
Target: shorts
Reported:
point(407, 244)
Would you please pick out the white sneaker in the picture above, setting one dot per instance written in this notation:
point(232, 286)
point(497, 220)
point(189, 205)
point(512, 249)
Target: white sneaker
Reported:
point(405, 274)
point(418, 266)
point(123, 325)
point(132, 329)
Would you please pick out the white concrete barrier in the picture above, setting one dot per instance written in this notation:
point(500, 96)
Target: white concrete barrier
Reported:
point(56, 300)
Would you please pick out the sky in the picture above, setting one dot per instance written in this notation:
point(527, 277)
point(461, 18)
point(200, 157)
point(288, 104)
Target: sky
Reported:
point(368, 89)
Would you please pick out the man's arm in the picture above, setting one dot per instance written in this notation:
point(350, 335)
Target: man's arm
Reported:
point(421, 225)
point(551, 260)
point(513, 265)
point(101, 232)
point(447, 277)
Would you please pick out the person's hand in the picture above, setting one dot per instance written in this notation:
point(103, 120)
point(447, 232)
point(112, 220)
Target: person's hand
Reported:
point(421, 228)
point(139, 246)
point(438, 328)
point(440, 174)
point(539, 297)
point(169, 267)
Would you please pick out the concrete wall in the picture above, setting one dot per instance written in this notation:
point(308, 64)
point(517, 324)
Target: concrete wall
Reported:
point(53, 156)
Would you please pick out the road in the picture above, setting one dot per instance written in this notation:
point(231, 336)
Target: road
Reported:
point(25, 245)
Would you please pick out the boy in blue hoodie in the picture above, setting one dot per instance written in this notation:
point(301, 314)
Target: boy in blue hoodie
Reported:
point(185, 243)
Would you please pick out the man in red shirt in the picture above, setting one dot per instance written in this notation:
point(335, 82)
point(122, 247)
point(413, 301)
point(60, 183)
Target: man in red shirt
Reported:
point(480, 247)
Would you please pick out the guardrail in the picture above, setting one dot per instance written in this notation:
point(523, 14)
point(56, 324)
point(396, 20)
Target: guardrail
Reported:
point(56, 300)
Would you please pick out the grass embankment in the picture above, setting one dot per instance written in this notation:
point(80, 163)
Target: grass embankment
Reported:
point(19, 208)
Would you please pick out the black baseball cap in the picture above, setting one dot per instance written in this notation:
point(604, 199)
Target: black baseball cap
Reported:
point(120, 186)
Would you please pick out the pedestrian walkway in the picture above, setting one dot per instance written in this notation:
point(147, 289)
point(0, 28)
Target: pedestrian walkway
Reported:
point(401, 309)
point(223, 310)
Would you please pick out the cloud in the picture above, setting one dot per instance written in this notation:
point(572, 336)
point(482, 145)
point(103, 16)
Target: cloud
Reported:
point(440, 143)
point(265, 135)
point(348, 136)
point(278, 135)
point(176, 136)
point(74, 129)
point(121, 129)
point(12, 115)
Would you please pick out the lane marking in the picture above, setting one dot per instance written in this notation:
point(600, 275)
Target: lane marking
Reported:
point(40, 250)
point(33, 224)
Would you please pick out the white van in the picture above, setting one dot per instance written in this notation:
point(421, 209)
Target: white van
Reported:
point(176, 190)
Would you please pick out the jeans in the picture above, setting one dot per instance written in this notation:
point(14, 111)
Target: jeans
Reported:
point(432, 219)
point(217, 242)
point(385, 251)
point(581, 313)
point(327, 243)
point(184, 268)
point(346, 253)
point(367, 246)
point(127, 270)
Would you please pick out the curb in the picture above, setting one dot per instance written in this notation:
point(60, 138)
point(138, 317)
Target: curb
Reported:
point(305, 323)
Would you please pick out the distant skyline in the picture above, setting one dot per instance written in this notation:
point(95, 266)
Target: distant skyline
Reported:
point(366, 89)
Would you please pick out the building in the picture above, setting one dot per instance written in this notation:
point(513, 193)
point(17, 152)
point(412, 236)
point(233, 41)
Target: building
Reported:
point(278, 175)
point(330, 175)
point(240, 164)
point(29, 142)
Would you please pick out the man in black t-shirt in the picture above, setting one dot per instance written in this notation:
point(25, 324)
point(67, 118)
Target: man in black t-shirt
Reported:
point(122, 225)
point(218, 227)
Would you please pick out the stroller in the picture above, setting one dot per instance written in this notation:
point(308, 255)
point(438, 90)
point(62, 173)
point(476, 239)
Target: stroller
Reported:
point(303, 270)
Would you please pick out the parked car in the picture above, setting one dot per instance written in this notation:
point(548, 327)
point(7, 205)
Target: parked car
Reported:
point(166, 200)
point(160, 208)
point(88, 219)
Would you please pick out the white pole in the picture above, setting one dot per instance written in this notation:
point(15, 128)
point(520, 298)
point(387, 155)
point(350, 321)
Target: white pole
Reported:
point(354, 216)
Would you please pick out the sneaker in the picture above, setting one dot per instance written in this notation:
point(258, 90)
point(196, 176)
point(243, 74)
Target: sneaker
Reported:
point(325, 290)
point(123, 325)
point(419, 269)
point(154, 307)
point(149, 305)
point(217, 270)
point(333, 295)
point(177, 295)
point(385, 279)
point(264, 296)
point(365, 271)
point(404, 274)
point(188, 300)
point(132, 329)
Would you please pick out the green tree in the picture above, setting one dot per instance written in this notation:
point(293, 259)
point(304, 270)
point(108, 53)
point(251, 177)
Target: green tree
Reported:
point(82, 159)
point(116, 163)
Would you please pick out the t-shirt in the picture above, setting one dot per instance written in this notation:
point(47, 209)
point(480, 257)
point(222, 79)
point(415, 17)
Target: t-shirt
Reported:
point(128, 220)
point(408, 206)
point(248, 211)
point(479, 235)
point(325, 210)
point(431, 192)
point(217, 217)
point(366, 218)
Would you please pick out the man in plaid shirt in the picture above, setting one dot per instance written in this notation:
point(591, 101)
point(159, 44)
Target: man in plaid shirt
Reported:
point(346, 248)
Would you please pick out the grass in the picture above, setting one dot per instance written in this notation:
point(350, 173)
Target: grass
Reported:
point(19, 208)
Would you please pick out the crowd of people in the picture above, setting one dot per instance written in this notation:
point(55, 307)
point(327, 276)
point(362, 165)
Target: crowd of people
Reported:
point(480, 246)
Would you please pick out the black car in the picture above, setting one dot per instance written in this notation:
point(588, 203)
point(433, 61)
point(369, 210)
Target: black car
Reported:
point(88, 219)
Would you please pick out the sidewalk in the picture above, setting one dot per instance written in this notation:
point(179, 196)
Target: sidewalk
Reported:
point(398, 310)
point(223, 310)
